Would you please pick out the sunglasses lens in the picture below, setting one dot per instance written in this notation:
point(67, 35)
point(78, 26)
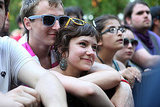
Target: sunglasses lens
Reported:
point(48, 20)
point(134, 43)
point(126, 42)
point(63, 20)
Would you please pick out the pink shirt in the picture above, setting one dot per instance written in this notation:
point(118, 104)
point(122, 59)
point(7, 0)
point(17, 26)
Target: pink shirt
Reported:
point(54, 61)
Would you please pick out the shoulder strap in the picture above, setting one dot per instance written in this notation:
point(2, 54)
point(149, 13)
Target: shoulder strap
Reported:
point(116, 65)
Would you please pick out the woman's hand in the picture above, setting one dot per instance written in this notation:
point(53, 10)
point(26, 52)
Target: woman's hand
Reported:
point(130, 74)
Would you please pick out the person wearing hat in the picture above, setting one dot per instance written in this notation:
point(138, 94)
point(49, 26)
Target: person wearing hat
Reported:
point(155, 12)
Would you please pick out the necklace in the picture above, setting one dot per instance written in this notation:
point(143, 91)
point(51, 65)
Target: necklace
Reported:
point(114, 62)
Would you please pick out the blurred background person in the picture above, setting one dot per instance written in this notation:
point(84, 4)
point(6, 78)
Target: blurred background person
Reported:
point(155, 12)
point(18, 33)
point(137, 15)
point(74, 11)
point(111, 32)
point(126, 53)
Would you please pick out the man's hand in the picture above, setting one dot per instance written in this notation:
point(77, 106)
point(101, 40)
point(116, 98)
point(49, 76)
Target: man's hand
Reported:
point(24, 97)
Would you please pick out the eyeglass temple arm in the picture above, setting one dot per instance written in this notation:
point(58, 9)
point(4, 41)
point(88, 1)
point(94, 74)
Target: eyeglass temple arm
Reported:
point(67, 23)
point(35, 17)
point(104, 31)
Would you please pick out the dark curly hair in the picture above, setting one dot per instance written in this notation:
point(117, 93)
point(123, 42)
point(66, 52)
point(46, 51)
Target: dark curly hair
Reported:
point(72, 31)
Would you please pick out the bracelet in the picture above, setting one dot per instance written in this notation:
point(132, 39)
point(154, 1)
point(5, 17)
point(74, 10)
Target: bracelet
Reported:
point(123, 80)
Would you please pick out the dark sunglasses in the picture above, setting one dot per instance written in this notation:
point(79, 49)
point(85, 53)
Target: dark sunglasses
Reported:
point(49, 20)
point(126, 41)
point(114, 30)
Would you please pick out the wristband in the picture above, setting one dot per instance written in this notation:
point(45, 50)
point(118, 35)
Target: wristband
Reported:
point(123, 80)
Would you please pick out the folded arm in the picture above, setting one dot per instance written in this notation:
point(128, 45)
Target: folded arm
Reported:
point(51, 91)
point(88, 91)
point(102, 75)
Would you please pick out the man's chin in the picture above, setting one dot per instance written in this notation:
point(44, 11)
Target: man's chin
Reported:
point(147, 27)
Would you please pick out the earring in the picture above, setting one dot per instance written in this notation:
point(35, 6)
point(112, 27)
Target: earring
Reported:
point(63, 64)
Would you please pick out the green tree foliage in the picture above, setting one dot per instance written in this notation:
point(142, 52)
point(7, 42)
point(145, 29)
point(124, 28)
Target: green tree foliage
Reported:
point(103, 7)
point(14, 8)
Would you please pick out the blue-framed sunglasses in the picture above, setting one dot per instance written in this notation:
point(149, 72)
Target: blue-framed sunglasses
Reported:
point(49, 20)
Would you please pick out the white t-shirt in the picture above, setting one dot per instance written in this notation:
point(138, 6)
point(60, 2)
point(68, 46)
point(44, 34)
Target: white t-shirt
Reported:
point(23, 39)
point(12, 58)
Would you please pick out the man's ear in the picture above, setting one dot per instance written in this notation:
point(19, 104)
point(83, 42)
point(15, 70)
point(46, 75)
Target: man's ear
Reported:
point(27, 23)
point(128, 20)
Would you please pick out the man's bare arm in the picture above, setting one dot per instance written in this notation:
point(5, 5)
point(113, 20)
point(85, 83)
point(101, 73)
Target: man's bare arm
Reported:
point(51, 91)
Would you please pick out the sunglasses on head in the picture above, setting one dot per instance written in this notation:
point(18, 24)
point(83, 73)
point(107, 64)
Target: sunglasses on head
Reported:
point(114, 30)
point(126, 42)
point(75, 21)
point(49, 20)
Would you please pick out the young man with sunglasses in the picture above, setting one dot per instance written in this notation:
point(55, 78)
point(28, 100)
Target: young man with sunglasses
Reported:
point(42, 19)
point(16, 64)
point(137, 15)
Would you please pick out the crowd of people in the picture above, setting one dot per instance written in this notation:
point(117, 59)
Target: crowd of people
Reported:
point(60, 60)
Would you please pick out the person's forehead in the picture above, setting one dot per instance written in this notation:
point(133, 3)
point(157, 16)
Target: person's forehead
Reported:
point(140, 7)
point(112, 22)
point(128, 34)
point(45, 8)
point(85, 38)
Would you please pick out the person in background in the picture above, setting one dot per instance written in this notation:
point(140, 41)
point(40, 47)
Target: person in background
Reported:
point(126, 53)
point(112, 31)
point(74, 11)
point(137, 15)
point(155, 12)
point(18, 33)
point(17, 65)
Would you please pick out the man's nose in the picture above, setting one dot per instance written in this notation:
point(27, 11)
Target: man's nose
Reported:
point(56, 25)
